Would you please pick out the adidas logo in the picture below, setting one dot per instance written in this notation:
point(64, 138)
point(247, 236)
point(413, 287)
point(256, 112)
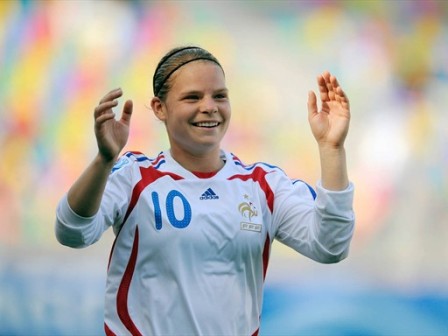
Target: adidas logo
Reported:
point(209, 194)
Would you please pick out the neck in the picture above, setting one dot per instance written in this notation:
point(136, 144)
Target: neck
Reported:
point(204, 162)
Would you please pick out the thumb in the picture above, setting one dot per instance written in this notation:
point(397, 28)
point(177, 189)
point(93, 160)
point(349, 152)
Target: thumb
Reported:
point(127, 112)
point(312, 104)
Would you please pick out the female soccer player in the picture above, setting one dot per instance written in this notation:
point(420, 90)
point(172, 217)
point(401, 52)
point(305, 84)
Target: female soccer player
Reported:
point(194, 225)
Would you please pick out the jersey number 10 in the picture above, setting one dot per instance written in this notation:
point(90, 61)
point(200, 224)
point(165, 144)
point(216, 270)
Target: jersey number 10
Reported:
point(169, 203)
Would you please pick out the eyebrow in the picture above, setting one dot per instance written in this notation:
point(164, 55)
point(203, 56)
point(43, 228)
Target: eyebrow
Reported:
point(222, 90)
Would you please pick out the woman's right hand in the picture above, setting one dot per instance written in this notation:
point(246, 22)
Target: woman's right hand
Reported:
point(111, 134)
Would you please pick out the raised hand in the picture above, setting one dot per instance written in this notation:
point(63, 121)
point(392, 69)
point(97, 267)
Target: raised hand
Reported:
point(111, 134)
point(330, 124)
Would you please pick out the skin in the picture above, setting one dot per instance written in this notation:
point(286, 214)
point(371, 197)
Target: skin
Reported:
point(329, 126)
point(84, 197)
point(198, 94)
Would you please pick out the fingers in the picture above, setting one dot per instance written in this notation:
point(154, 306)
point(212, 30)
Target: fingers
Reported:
point(326, 84)
point(127, 112)
point(104, 112)
point(111, 95)
point(312, 104)
point(330, 89)
point(339, 94)
point(323, 88)
point(104, 109)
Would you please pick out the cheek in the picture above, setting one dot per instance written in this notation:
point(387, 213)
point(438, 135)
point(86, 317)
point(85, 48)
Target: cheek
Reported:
point(175, 125)
point(227, 112)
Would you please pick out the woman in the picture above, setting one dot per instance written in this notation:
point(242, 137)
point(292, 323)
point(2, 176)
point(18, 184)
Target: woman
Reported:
point(194, 225)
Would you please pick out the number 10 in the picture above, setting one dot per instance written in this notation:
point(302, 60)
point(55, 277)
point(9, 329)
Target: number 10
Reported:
point(177, 223)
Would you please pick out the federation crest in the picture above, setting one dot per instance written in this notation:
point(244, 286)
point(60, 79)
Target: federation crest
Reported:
point(248, 210)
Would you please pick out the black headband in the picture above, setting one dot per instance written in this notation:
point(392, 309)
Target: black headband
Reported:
point(156, 92)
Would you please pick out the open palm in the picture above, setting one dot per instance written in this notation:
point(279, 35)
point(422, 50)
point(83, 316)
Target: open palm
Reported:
point(329, 125)
point(111, 134)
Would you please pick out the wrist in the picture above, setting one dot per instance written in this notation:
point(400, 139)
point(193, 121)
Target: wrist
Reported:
point(333, 167)
point(106, 162)
point(331, 148)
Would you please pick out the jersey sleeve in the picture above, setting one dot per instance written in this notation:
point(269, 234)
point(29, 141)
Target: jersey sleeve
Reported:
point(318, 224)
point(76, 231)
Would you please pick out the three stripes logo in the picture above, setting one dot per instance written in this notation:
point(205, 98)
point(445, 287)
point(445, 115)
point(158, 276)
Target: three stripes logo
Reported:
point(209, 194)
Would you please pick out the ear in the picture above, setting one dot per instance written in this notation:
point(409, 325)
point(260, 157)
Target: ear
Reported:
point(157, 107)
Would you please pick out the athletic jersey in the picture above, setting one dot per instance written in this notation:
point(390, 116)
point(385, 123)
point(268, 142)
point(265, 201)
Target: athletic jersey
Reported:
point(191, 253)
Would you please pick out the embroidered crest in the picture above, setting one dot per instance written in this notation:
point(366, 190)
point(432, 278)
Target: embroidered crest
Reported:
point(248, 210)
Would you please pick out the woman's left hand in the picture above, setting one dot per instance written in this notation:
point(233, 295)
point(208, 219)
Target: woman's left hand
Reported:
point(330, 124)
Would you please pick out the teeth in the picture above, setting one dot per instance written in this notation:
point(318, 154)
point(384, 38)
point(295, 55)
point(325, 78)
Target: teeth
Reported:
point(207, 124)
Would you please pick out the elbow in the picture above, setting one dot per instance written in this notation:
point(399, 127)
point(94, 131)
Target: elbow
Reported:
point(324, 255)
point(334, 245)
point(67, 237)
point(332, 258)
point(334, 250)
point(69, 242)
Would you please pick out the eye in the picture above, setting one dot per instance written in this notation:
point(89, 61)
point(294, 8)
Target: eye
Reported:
point(191, 97)
point(221, 96)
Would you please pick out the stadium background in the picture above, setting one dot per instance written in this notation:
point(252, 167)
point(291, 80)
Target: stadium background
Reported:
point(59, 57)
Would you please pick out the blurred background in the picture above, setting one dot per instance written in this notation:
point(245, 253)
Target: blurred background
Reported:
point(58, 58)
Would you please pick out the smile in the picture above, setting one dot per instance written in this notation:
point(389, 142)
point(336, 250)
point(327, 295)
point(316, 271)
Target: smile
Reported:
point(206, 124)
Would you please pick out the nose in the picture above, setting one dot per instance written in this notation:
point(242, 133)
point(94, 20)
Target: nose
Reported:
point(209, 105)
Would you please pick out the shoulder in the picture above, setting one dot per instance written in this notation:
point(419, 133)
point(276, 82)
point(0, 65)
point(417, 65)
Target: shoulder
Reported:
point(135, 158)
point(269, 172)
point(254, 167)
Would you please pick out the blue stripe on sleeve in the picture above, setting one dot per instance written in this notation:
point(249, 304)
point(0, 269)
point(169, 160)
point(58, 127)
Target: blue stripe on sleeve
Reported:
point(312, 191)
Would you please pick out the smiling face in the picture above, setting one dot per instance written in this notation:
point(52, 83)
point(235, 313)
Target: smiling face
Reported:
point(196, 110)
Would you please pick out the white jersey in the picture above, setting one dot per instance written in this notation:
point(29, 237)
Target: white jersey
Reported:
point(191, 253)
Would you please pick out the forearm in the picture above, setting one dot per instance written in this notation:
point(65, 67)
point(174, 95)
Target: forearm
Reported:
point(319, 228)
point(333, 168)
point(84, 197)
point(335, 219)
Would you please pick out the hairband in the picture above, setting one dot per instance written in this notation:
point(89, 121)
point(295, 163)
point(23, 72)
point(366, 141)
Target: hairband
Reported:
point(165, 59)
point(156, 92)
point(180, 65)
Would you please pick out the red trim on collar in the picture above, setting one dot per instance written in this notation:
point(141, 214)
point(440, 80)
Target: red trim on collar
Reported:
point(204, 175)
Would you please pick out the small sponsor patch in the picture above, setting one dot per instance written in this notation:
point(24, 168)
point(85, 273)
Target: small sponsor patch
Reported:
point(250, 227)
point(123, 161)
